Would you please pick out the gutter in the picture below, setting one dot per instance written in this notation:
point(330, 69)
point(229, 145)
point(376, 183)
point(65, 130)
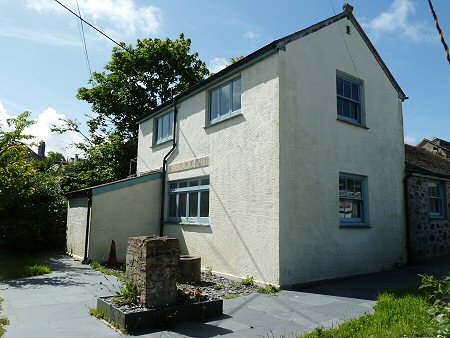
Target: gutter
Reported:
point(251, 59)
point(164, 169)
point(88, 222)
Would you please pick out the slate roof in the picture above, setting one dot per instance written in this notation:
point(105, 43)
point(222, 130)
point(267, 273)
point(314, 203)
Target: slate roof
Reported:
point(271, 48)
point(422, 161)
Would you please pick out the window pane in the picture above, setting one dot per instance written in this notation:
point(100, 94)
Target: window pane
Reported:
point(225, 99)
point(204, 204)
point(346, 108)
point(350, 187)
point(237, 94)
point(356, 209)
point(193, 204)
point(434, 189)
point(355, 92)
point(205, 181)
point(193, 183)
point(358, 189)
point(166, 125)
point(342, 191)
point(182, 184)
point(340, 108)
point(182, 204)
point(172, 186)
point(347, 89)
point(339, 86)
point(159, 137)
point(214, 104)
point(171, 124)
point(354, 110)
point(172, 205)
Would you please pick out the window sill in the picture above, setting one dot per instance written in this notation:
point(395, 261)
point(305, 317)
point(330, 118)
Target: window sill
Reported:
point(156, 145)
point(355, 226)
point(227, 118)
point(188, 224)
point(356, 124)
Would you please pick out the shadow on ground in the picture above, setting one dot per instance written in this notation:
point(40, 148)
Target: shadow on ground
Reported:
point(371, 285)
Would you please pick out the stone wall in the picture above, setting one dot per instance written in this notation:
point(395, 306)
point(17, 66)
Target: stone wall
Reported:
point(428, 237)
point(152, 265)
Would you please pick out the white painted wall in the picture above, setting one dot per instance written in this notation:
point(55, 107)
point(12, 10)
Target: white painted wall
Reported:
point(122, 213)
point(242, 237)
point(315, 147)
point(76, 226)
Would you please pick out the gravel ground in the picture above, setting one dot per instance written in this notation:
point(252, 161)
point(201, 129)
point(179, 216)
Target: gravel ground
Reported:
point(215, 287)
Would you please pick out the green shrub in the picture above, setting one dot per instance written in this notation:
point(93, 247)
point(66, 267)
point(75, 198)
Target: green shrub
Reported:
point(99, 314)
point(127, 294)
point(3, 321)
point(249, 281)
point(232, 295)
point(219, 287)
point(270, 289)
point(36, 270)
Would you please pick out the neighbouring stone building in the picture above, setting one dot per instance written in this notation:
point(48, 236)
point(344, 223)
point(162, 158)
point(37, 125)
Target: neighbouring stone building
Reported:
point(428, 188)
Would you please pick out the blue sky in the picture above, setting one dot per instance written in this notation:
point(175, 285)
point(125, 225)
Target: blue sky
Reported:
point(43, 65)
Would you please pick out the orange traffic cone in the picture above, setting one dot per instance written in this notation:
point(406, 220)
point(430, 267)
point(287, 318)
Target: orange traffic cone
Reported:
point(112, 260)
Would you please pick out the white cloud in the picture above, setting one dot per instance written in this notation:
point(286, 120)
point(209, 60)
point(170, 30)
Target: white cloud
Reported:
point(397, 20)
point(410, 140)
point(250, 35)
point(2, 108)
point(217, 64)
point(39, 36)
point(120, 17)
point(41, 131)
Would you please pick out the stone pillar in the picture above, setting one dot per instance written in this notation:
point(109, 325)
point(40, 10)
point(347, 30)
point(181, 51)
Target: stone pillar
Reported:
point(152, 265)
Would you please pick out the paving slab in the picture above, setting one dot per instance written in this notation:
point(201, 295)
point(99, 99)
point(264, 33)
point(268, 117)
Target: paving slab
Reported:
point(57, 305)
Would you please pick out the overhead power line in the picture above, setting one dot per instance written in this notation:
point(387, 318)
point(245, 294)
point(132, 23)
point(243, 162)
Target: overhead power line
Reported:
point(92, 26)
point(441, 34)
point(83, 39)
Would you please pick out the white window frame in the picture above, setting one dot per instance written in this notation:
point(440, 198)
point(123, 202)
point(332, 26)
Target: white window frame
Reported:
point(230, 112)
point(188, 189)
point(159, 137)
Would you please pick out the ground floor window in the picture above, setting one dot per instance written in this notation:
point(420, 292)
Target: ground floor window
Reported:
point(189, 200)
point(436, 197)
point(352, 199)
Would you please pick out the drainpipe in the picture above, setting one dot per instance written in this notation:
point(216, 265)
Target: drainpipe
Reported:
point(88, 221)
point(164, 169)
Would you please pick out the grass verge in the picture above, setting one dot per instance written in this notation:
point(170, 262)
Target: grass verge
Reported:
point(118, 273)
point(3, 321)
point(397, 314)
point(36, 270)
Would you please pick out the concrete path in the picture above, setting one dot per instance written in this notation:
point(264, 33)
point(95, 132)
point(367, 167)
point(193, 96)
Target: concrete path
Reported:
point(57, 305)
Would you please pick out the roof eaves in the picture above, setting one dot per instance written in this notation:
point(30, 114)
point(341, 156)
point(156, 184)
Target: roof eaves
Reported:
point(401, 93)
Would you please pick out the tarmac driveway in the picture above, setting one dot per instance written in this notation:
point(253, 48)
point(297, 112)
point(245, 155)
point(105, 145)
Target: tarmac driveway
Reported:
point(57, 305)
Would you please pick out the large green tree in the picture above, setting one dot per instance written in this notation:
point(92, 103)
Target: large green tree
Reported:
point(136, 80)
point(32, 203)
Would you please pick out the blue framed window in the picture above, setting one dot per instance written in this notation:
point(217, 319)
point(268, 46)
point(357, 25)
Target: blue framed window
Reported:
point(349, 101)
point(436, 197)
point(189, 200)
point(225, 101)
point(352, 199)
point(164, 128)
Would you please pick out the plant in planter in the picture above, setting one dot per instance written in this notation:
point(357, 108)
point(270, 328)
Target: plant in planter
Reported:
point(128, 294)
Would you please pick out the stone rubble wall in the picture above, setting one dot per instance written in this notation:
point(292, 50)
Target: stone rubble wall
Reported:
point(152, 265)
point(428, 237)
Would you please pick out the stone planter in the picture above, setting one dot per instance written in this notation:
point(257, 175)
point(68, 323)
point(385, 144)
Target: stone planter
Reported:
point(189, 269)
point(137, 318)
